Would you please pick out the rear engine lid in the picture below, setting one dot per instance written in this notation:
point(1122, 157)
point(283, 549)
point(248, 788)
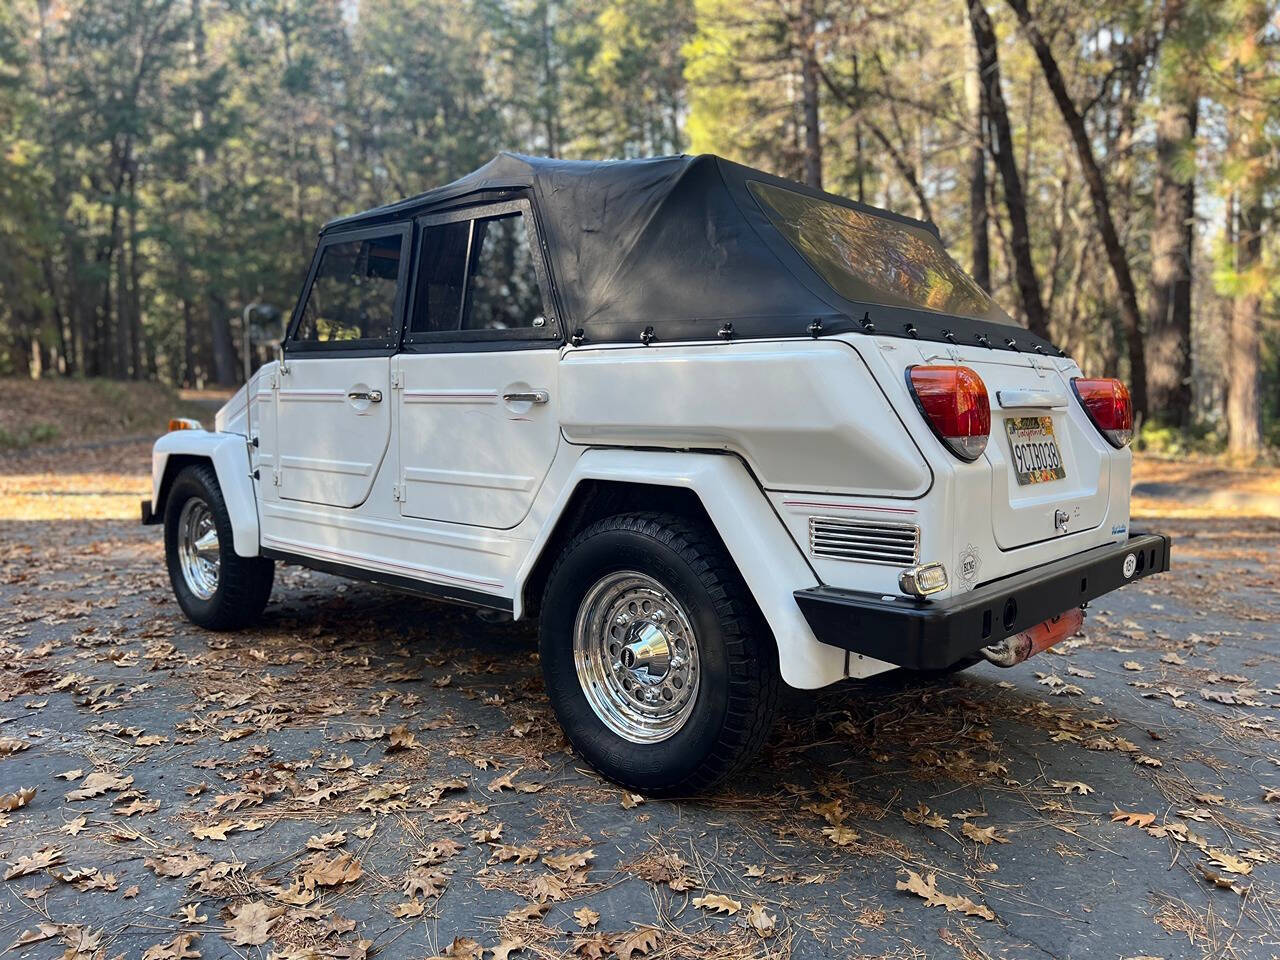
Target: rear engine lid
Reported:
point(1050, 468)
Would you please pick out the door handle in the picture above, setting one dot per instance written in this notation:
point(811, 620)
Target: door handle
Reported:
point(373, 396)
point(1030, 400)
point(533, 396)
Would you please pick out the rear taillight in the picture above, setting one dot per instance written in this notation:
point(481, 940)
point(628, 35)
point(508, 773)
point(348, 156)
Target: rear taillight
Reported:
point(1109, 406)
point(954, 402)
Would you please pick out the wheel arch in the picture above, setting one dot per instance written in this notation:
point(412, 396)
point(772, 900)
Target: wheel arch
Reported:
point(716, 488)
point(229, 456)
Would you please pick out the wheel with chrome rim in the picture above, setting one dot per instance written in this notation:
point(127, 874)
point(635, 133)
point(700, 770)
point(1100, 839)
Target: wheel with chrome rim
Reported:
point(657, 662)
point(198, 550)
point(214, 586)
point(636, 656)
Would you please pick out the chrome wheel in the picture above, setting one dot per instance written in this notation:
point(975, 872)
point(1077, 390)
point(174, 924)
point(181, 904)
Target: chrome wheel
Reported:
point(636, 657)
point(198, 553)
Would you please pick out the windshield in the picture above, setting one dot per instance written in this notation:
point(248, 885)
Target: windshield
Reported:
point(872, 259)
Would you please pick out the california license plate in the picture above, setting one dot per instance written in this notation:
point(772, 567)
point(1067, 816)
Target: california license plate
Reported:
point(1036, 457)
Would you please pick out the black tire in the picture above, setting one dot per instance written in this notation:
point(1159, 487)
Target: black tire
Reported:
point(738, 661)
point(243, 583)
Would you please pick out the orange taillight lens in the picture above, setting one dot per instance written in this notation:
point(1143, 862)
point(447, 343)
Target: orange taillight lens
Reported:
point(1109, 406)
point(954, 401)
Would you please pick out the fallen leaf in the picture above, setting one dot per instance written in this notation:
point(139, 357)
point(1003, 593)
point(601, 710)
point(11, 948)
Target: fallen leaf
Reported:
point(344, 868)
point(922, 816)
point(1072, 786)
point(1132, 819)
point(761, 920)
point(570, 861)
point(841, 836)
point(16, 801)
point(97, 783)
point(636, 944)
point(251, 922)
point(926, 888)
point(1229, 861)
point(42, 859)
point(408, 910)
point(179, 948)
point(717, 903)
point(586, 917)
point(73, 827)
point(217, 831)
point(982, 835)
point(327, 841)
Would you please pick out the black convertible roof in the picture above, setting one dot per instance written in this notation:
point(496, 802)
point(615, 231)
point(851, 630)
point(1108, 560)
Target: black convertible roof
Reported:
point(677, 248)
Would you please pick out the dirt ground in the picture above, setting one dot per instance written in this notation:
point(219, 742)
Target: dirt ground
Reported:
point(371, 775)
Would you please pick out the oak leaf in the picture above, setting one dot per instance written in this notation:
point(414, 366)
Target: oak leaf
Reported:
point(42, 859)
point(1132, 819)
point(761, 920)
point(636, 944)
point(179, 948)
point(251, 923)
point(717, 903)
point(98, 783)
point(16, 801)
point(344, 868)
point(586, 917)
point(982, 835)
point(926, 888)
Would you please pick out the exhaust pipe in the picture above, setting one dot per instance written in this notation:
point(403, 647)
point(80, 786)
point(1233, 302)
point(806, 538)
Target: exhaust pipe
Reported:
point(1012, 651)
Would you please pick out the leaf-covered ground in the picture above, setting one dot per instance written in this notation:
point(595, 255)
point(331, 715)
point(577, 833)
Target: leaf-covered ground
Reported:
point(371, 775)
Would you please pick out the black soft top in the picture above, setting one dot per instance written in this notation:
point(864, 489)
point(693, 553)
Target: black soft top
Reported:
point(677, 248)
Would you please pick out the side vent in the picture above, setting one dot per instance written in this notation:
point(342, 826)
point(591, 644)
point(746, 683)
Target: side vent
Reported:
point(864, 541)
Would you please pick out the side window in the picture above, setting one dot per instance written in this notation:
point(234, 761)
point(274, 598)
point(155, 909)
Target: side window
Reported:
point(502, 282)
point(353, 295)
point(442, 268)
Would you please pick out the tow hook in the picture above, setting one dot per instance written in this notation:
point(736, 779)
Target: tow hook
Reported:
point(1012, 651)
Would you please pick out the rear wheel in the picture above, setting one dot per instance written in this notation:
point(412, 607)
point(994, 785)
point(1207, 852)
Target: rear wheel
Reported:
point(215, 587)
point(659, 667)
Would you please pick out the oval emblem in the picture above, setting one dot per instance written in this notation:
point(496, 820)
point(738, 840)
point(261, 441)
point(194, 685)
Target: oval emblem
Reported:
point(1130, 565)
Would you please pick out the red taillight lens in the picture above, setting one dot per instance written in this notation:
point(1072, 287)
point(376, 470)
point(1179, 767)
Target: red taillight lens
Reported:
point(1109, 406)
point(954, 402)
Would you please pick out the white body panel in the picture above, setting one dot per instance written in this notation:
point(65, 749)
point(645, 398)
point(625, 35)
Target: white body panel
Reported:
point(229, 454)
point(460, 489)
point(467, 455)
point(330, 445)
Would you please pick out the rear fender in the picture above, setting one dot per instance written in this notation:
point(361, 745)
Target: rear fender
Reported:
point(756, 539)
point(229, 454)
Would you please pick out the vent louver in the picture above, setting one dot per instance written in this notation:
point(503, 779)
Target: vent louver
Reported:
point(864, 541)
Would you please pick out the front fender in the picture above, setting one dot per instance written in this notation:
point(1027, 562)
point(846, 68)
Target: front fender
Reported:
point(758, 543)
point(229, 454)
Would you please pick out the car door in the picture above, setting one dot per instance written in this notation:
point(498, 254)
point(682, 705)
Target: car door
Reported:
point(333, 406)
point(476, 375)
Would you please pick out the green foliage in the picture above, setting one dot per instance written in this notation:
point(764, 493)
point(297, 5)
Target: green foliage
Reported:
point(29, 436)
point(1167, 441)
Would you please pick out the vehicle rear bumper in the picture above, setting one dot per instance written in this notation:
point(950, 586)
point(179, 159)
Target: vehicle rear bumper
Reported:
point(928, 635)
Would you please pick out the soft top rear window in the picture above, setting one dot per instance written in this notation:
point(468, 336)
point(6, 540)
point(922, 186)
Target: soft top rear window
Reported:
point(873, 259)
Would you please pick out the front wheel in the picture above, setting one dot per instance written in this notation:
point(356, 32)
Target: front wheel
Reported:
point(658, 664)
point(215, 587)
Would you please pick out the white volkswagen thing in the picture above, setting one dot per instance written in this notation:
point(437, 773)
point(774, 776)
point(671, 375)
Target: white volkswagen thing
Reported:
point(715, 429)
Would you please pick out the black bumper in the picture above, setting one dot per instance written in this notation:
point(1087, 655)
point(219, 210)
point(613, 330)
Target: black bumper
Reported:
point(148, 518)
point(927, 635)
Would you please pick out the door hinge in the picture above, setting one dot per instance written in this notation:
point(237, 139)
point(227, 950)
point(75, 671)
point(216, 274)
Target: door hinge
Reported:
point(397, 493)
point(397, 379)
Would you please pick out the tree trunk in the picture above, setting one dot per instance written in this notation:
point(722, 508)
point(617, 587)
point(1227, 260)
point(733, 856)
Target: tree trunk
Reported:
point(1248, 149)
point(809, 86)
point(1116, 255)
point(979, 231)
point(1172, 253)
point(984, 38)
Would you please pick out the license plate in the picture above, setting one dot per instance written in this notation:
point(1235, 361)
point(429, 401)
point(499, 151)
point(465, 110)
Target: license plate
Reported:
point(1036, 457)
